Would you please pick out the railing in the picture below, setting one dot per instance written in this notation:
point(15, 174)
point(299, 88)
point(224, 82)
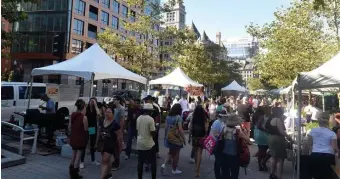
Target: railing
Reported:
point(91, 34)
point(93, 16)
point(22, 138)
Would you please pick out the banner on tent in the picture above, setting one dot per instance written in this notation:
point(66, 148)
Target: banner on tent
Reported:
point(52, 91)
point(194, 90)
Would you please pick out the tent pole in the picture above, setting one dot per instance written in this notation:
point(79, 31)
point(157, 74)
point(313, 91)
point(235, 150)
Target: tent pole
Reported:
point(91, 86)
point(323, 102)
point(299, 134)
point(30, 93)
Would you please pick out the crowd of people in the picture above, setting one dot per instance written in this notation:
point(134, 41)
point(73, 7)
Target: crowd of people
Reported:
point(226, 120)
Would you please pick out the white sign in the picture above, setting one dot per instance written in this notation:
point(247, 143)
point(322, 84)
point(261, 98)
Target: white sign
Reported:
point(69, 93)
point(52, 91)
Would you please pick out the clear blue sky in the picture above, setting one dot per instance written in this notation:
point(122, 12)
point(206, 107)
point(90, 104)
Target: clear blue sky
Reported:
point(230, 16)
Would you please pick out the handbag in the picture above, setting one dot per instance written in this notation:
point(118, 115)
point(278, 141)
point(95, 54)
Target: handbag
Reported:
point(209, 144)
point(173, 134)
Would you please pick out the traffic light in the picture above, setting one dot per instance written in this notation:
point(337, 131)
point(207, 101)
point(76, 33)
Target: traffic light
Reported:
point(59, 45)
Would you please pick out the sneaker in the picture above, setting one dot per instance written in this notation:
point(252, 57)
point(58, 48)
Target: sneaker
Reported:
point(81, 166)
point(115, 168)
point(162, 168)
point(96, 163)
point(176, 172)
point(126, 157)
point(192, 160)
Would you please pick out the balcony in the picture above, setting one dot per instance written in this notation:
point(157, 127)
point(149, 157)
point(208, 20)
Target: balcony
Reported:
point(92, 31)
point(93, 13)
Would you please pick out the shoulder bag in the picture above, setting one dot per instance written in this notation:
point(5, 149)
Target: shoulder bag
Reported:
point(173, 134)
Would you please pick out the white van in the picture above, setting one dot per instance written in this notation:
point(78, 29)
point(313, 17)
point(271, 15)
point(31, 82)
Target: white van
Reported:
point(14, 98)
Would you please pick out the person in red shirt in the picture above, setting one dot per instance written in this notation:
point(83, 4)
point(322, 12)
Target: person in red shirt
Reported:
point(79, 132)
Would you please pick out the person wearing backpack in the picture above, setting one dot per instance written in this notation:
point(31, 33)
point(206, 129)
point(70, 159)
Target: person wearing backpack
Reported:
point(232, 148)
point(216, 131)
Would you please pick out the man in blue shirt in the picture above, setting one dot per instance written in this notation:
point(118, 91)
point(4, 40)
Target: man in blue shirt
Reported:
point(216, 131)
point(50, 107)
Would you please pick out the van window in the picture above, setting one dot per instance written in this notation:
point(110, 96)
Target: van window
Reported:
point(7, 93)
point(37, 92)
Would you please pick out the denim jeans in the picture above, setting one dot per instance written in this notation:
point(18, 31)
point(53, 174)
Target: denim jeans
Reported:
point(230, 166)
point(132, 132)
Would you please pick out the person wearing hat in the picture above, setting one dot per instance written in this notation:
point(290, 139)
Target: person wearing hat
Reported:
point(175, 101)
point(156, 115)
point(216, 131)
point(229, 155)
point(323, 144)
point(145, 143)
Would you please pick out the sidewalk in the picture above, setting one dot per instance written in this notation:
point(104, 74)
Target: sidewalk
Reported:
point(56, 167)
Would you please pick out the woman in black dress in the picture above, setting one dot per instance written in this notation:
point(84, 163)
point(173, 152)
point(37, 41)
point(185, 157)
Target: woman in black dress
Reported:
point(107, 141)
point(199, 129)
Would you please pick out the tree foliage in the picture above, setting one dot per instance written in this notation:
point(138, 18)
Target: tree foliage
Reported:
point(254, 84)
point(203, 62)
point(294, 42)
point(10, 12)
point(135, 46)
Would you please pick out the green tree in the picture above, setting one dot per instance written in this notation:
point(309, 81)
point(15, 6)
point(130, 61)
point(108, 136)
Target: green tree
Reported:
point(204, 63)
point(135, 46)
point(294, 42)
point(254, 84)
point(10, 12)
point(331, 12)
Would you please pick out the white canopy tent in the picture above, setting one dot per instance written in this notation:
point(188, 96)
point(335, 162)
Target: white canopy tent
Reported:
point(175, 78)
point(327, 75)
point(324, 78)
point(234, 86)
point(92, 64)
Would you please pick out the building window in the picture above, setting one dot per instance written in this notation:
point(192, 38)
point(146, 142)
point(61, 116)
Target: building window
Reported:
point(132, 16)
point(97, 1)
point(106, 3)
point(88, 45)
point(93, 13)
point(170, 17)
point(92, 31)
point(115, 5)
point(125, 11)
point(105, 18)
point(80, 7)
point(182, 18)
point(77, 46)
point(78, 27)
point(115, 22)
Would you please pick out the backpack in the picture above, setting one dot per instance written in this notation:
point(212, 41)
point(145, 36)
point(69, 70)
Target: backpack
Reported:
point(243, 152)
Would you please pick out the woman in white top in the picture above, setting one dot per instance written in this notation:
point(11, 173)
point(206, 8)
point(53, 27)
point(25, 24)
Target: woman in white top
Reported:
point(323, 145)
point(212, 109)
point(192, 104)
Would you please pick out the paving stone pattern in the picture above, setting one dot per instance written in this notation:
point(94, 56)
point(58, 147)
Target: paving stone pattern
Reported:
point(56, 167)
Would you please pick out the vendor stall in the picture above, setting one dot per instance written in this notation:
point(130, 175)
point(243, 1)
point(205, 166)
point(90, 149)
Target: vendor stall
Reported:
point(324, 78)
